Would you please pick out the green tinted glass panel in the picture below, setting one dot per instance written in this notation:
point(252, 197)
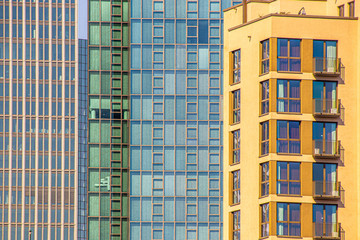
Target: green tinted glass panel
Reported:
point(105, 132)
point(94, 205)
point(94, 59)
point(94, 10)
point(125, 84)
point(93, 155)
point(104, 228)
point(94, 83)
point(105, 11)
point(105, 205)
point(105, 34)
point(105, 83)
point(125, 7)
point(105, 58)
point(94, 34)
point(93, 229)
point(93, 180)
point(105, 156)
point(125, 59)
point(125, 35)
point(94, 131)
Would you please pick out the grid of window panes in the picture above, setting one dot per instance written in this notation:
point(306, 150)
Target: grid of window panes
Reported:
point(176, 150)
point(108, 120)
point(82, 166)
point(37, 119)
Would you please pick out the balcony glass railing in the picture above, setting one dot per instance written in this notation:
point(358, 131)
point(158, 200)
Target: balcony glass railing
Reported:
point(326, 189)
point(326, 230)
point(328, 148)
point(326, 107)
point(327, 66)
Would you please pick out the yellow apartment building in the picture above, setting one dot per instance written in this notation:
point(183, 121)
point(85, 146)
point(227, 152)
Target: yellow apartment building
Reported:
point(292, 120)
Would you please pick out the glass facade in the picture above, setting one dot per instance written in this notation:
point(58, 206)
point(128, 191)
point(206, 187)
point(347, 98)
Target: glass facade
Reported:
point(38, 119)
point(108, 118)
point(82, 177)
point(176, 123)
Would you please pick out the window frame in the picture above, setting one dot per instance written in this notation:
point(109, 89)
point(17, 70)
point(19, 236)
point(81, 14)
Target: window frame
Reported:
point(288, 57)
point(264, 181)
point(236, 227)
point(288, 222)
point(287, 180)
point(236, 66)
point(264, 223)
point(236, 106)
point(287, 98)
point(265, 97)
point(236, 181)
point(236, 146)
point(351, 9)
point(264, 138)
point(265, 56)
point(341, 11)
point(287, 139)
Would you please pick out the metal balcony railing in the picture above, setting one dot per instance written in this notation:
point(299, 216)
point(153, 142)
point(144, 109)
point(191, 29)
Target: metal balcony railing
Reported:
point(327, 66)
point(326, 107)
point(326, 148)
point(326, 189)
point(326, 230)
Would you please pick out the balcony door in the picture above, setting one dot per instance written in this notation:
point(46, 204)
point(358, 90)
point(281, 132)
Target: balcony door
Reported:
point(325, 179)
point(325, 220)
point(325, 97)
point(324, 136)
point(324, 53)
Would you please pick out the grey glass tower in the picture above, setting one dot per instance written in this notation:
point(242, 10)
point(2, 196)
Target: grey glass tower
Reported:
point(39, 147)
point(176, 124)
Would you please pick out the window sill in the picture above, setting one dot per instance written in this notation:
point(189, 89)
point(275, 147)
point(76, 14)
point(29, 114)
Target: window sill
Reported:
point(292, 72)
point(294, 113)
point(289, 195)
point(234, 84)
point(263, 74)
point(235, 204)
point(264, 155)
point(234, 164)
point(234, 124)
point(283, 236)
point(289, 154)
point(264, 114)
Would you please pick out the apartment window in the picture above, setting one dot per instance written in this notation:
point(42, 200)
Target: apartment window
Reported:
point(236, 146)
point(236, 225)
point(264, 138)
point(288, 137)
point(325, 220)
point(236, 106)
point(324, 137)
point(325, 97)
point(341, 11)
point(288, 96)
point(265, 179)
point(265, 56)
point(236, 66)
point(325, 179)
point(351, 9)
point(236, 186)
point(288, 178)
point(264, 97)
point(325, 56)
point(288, 55)
point(264, 220)
point(288, 219)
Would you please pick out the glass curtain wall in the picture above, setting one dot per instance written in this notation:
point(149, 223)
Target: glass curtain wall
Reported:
point(108, 118)
point(175, 166)
point(38, 119)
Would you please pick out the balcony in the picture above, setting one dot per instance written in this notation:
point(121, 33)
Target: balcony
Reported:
point(326, 190)
point(331, 231)
point(327, 66)
point(327, 108)
point(326, 148)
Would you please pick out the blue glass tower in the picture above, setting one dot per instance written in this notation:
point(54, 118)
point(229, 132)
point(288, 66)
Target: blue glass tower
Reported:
point(175, 148)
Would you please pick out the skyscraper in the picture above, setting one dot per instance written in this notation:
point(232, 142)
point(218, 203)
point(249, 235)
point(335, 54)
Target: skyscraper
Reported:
point(176, 122)
point(108, 118)
point(39, 119)
point(172, 87)
point(291, 120)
